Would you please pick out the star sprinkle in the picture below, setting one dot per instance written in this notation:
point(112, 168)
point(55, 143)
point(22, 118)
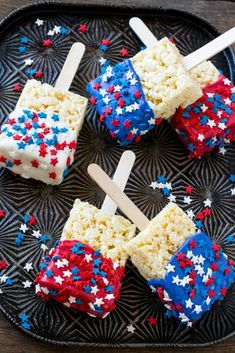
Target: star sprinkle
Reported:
point(83, 28)
point(27, 284)
point(28, 266)
point(124, 52)
point(130, 328)
point(39, 22)
point(47, 43)
point(17, 88)
point(152, 321)
point(2, 213)
point(24, 318)
point(3, 265)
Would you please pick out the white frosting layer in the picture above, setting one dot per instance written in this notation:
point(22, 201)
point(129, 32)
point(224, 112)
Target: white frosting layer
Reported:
point(37, 145)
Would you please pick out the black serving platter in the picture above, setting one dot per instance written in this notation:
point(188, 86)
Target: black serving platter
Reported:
point(159, 153)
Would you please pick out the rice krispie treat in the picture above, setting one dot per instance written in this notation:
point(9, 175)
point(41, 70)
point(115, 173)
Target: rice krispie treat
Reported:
point(85, 268)
point(130, 96)
point(152, 248)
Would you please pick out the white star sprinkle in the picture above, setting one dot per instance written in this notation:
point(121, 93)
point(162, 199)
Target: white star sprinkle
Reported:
point(200, 270)
point(27, 284)
point(28, 62)
point(39, 22)
point(210, 95)
point(59, 263)
point(28, 266)
point(45, 290)
point(102, 61)
point(233, 90)
point(185, 281)
point(59, 279)
point(154, 185)
point(99, 301)
point(134, 131)
point(119, 111)
point(106, 100)
point(67, 273)
point(204, 108)
point(172, 198)
point(13, 154)
point(135, 106)
point(208, 300)
point(143, 132)
point(94, 290)
point(201, 137)
point(233, 192)
point(227, 82)
point(110, 296)
point(50, 32)
point(3, 278)
point(57, 29)
point(117, 88)
point(222, 150)
point(170, 268)
point(190, 214)
point(207, 203)
point(103, 92)
point(152, 121)
point(201, 260)
point(183, 317)
point(44, 247)
point(176, 280)
point(220, 112)
point(189, 303)
point(130, 328)
point(211, 123)
point(189, 254)
point(187, 199)
point(227, 101)
point(198, 309)
point(37, 288)
point(129, 108)
point(72, 299)
point(222, 126)
point(133, 82)
point(88, 257)
point(23, 228)
point(129, 74)
point(36, 234)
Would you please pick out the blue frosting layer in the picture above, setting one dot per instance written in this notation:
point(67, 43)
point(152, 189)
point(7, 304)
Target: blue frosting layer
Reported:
point(121, 103)
point(197, 275)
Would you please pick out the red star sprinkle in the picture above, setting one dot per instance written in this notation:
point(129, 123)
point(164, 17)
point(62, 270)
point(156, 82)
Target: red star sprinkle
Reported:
point(226, 271)
point(137, 94)
point(137, 139)
point(17, 137)
point(39, 74)
point(68, 161)
point(28, 126)
point(52, 175)
point(106, 42)
point(3, 159)
point(179, 307)
point(112, 134)
point(121, 103)
point(158, 121)
point(72, 145)
point(200, 216)
point(110, 89)
point(102, 118)
point(207, 212)
point(223, 291)
point(108, 111)
point(17, 162)
point(97, 85)
point(3, 265)
point(47, 43)
point(152, 320)
point(127, 124)
point(32, 220)
point(180, 256)
point(83, 28)
point(35, 163)
point(11, 121)
point(211, 294)
point(172, 39)
point(54, 161)
point(216, 247)
point(117, 95)
point(210, 281)
point(2, 213)
point(115, 122)
point(192, 244)
point(214, 267)
point(129, 136)
point(124, 52)
point(188, 189)
point(17, 88)
point(93, 100)
point(192, 293)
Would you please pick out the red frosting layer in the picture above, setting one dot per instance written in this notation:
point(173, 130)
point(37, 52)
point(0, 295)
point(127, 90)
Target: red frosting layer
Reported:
point(78, 276)
point(210, 121)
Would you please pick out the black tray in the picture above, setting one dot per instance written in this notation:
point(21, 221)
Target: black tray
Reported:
point(160, 152)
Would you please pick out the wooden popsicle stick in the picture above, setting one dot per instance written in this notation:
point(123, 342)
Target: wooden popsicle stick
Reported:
point(118, 196)
point(70, 67)
point(209, 50)
point(142, 31)
point(198, 56)
point(120, 178)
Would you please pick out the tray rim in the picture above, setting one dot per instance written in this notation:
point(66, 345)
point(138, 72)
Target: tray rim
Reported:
point(12, 16)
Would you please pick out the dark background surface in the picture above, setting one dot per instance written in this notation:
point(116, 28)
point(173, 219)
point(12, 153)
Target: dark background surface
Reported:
point(221, 14)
